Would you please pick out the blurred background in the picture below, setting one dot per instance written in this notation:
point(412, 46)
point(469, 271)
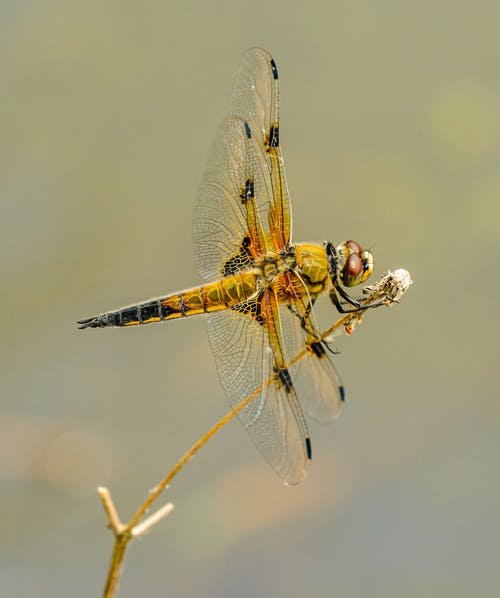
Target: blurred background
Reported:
point(390, 124)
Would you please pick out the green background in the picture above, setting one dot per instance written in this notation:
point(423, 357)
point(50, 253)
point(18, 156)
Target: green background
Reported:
point(390, 126)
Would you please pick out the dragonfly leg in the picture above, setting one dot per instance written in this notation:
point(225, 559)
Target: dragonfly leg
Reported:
point(304, 317)
point(313, 337)
point(357, 305)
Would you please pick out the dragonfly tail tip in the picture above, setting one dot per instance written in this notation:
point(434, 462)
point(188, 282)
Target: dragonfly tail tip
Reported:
point(88, 323)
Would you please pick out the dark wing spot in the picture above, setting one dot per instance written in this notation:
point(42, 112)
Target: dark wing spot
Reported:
point(249, 191)
point(309, 448)
point(248, 133)
point(285, 379)
point(240, 261)
point(274, 68)
point(317, 348)
point(342, 393)
point(274, 136)
point(251, 308)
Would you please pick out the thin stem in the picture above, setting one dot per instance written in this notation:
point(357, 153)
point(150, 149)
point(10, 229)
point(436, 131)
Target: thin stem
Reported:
point(116, 566)
point(147, 524)
point(193, 450)
point(109, 506)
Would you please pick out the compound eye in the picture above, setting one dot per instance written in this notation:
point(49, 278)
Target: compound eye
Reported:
point(353, 270)
point(354, 246)
point(354, 266)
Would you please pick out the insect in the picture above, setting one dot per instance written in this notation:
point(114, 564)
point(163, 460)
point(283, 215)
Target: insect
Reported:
point(260, 286)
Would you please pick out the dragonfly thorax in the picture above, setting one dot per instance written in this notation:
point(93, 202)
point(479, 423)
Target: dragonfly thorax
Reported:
point(273, 265)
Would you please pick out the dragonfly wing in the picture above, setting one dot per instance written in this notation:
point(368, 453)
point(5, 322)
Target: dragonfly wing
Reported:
point(247, 365)
point(227, 232)
point(243, 200)
point(255, 100)
point(317, 382)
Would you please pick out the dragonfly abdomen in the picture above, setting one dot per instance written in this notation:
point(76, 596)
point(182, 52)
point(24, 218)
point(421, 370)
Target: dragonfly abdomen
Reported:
point(216, 296)
point(142, 313)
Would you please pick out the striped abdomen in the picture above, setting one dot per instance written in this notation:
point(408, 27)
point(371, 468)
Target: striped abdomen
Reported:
point(216, 296)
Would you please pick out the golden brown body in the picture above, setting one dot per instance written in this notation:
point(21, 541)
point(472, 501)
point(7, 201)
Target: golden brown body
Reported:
point(299, 273)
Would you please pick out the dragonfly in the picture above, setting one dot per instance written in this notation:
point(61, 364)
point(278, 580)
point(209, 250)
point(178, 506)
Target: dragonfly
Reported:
point(260, 287)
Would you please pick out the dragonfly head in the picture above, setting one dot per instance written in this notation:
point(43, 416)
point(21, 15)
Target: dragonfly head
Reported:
point(349, 263)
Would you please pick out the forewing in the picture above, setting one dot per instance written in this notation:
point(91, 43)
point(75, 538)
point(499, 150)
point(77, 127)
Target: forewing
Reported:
point(246, 364)
point(227, 232)
point(255, 100)
point(243, 206)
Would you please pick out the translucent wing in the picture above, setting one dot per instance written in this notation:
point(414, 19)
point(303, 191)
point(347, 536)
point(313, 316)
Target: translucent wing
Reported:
point(255, 100)
point(318, 384)
point(245, 360)
point(226, 228)
point(316, 381)
point(243, 201)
